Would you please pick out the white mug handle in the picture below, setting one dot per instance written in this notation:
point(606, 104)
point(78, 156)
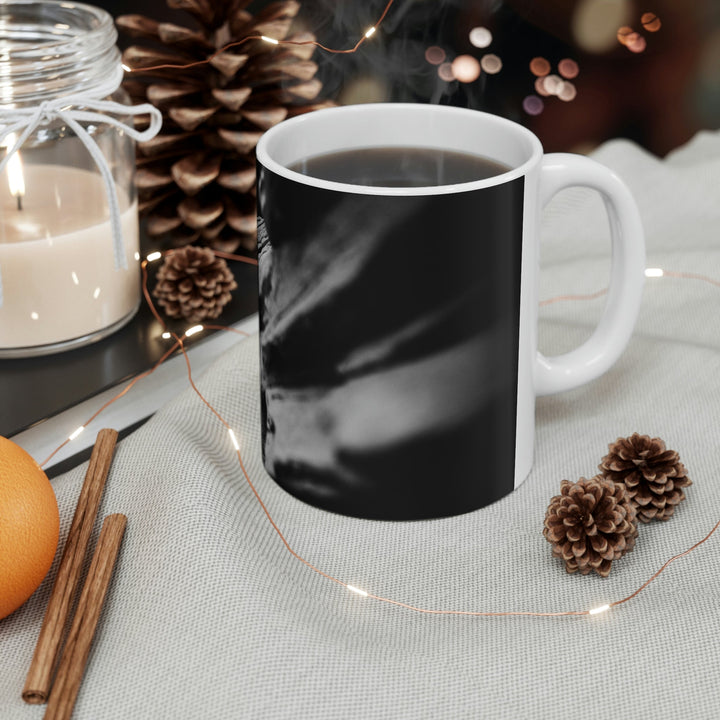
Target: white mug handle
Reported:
point(627, 273)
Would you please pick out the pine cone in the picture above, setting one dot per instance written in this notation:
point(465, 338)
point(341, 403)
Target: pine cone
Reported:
point(193, 284)
point(590, 524)
point(196, 179)
point(654, 476)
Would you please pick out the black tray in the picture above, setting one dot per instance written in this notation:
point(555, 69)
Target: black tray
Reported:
point(34, 389)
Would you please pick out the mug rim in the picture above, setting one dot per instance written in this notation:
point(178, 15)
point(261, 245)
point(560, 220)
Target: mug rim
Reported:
point(265, 158)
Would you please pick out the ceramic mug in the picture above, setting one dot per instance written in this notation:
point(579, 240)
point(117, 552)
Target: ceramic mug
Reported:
point(398, 325)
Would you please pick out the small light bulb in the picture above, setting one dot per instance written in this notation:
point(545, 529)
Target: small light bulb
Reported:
point(272, 41)
point(598, 610)
point(654, 272)
point(166, 335)
point(359, 591)
point(370, 32)
point(234, 439)
point(125, 67)
point(194, 330)
point(154, 256)
point(75, 433)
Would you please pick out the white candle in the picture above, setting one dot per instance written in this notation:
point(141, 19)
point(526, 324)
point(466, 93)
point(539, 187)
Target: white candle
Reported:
point(56, 259)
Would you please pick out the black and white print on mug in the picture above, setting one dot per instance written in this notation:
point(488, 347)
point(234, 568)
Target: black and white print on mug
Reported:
point(396, 324)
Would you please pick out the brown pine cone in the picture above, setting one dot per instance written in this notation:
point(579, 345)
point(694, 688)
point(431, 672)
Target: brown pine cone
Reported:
point(654, 476)
point(196, 178)
point(194, 284)
point(590, 524)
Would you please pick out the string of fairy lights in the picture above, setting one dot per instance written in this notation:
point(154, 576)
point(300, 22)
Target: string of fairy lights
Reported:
point(270, 40)
point(465, 69)
point(179, 344)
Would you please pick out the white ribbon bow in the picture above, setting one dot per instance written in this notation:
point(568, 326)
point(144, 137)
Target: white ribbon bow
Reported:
point(26, 120)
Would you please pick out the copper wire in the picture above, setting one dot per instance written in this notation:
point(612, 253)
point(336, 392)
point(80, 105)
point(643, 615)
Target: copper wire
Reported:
point(563, 298)
point(690, 276)
point(236, 43)
point(397, 603)
point(127, 388)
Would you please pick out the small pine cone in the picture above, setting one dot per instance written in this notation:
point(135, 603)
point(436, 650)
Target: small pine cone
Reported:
point(194, 284)
point(654, 476)
point(590, 524)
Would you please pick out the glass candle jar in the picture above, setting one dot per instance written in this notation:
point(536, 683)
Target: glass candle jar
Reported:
point(69, 252)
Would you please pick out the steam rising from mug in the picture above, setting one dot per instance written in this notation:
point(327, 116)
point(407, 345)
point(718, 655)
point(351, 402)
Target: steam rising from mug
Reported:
point(392, 66)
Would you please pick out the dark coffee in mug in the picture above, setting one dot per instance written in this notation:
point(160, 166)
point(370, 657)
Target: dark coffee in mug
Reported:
point(399, 167)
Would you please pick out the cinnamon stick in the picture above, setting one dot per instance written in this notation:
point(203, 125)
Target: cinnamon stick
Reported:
point(77, 647)
point(39, 677)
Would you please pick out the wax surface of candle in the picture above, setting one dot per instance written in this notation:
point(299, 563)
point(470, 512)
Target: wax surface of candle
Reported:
point(56, 258)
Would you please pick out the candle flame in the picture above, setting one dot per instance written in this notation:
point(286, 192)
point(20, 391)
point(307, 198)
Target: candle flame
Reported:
point(16, 177)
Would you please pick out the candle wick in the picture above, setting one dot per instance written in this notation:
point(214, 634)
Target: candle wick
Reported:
point(19, 201)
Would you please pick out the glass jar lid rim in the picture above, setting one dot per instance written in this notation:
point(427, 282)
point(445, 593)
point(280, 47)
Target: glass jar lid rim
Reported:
point(102, 26)
point(50, 48)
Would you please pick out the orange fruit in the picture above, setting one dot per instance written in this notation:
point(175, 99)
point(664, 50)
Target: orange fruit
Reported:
point(29, 526)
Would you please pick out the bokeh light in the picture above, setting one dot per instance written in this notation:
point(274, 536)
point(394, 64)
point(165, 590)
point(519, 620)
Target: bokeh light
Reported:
point(651, 22)
point(624, 33)
point(568, 68)
point(465, 68)
point(435, 55)
point(567, 92)
point(540, 87)
point(632, 38)
point(445, 72)
point(480, 37)
point(491, 64)
point(552, 84)
point(533, 105)
point(637, 44)
point(539, 66)
point(594, 23)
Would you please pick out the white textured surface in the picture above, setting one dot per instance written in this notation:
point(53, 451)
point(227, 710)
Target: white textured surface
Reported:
point(210, 617)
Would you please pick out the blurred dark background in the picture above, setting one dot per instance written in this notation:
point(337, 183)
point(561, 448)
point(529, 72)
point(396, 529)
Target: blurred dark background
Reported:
point(648, 71)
